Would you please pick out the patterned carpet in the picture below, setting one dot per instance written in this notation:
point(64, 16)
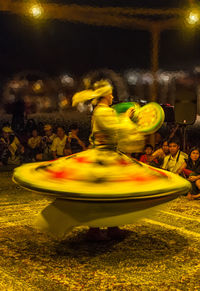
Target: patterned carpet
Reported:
point(162, 252)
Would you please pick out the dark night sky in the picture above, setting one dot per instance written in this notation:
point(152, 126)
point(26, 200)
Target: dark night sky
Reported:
point(126, 3)
point(58, 46)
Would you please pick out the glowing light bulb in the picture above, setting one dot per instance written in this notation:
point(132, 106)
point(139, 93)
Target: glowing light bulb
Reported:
point(36, 11)
point(193, 17)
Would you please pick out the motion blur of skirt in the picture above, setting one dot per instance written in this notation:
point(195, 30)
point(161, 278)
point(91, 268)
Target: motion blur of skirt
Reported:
point(97, 188)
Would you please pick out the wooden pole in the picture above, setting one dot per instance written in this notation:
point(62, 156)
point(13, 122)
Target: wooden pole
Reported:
point(155, 38)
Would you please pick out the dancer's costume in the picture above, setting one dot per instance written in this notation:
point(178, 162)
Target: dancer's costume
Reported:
point(102, 186)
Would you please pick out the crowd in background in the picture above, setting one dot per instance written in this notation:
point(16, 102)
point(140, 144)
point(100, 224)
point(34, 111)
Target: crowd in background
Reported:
point(42, 142)
point(38, 142)
point(170, 157)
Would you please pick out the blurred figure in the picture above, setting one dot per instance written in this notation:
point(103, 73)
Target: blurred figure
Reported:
point(76, 144)
point(191, 170)
point(109, 133)
point(60, 145)
point(34, 144)
point(46, 144)
point(11, 150)
point(176, 158)
point(146, 158)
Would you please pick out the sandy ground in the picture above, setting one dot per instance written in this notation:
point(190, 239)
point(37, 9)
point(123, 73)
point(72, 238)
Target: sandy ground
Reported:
point(161, 252)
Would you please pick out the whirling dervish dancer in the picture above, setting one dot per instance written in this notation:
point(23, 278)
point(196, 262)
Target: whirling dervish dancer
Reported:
point(102, 186)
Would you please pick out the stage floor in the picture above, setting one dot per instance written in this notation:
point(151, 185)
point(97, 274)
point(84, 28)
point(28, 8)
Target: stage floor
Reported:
point(158, 252)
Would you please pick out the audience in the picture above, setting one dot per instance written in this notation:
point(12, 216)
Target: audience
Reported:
point(157, 158)
point(176, 158)
point(147, 157)
point(34, 144)
point(46, 143)
point(191, 170)
point(11, 149)
point(75, 143)
point(60, 146)
point(29, 146)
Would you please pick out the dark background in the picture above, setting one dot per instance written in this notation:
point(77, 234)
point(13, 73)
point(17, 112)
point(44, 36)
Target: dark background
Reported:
point(60, 46)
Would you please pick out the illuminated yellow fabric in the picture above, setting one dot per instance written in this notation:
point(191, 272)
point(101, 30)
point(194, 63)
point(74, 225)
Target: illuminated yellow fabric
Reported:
point(61, 216)
point(101, 179)
point(101, 89)
point(118, 130)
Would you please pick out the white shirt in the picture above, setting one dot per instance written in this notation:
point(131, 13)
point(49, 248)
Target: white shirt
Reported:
point(172, 164)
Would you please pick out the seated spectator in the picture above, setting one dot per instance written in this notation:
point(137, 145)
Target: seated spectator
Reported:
point(146, 158)
point(11, 150)
point(46, 143)
point(157, 158)
point(191, 170)
point(76, 145)
point(60, 145)
point(34, 144)
point(176, 158)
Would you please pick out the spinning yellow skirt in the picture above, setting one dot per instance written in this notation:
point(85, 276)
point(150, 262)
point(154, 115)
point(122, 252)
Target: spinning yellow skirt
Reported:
point(97, 188)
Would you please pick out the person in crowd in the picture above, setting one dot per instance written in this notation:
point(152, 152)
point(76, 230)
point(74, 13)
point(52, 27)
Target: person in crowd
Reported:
point(34, 144)
point(60, 145)
point(11, 150)
point(157, 157)
point(75, 143)
point(191, 170)
point(176, 158)
point(46, 143)
point(146, 158)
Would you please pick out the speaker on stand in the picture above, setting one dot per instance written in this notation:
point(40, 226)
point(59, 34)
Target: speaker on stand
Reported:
point(169, 113)
point(185, 108)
